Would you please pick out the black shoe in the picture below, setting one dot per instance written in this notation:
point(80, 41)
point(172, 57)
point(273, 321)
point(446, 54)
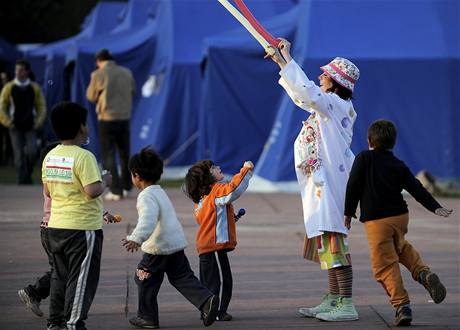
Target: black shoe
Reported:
point(433, 285)
point(403, 316)
point(141, 323)
point(209, 310)
point(56, 327)
point(223, 316)
point(30, 302)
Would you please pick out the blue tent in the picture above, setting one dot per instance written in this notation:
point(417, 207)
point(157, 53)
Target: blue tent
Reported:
point(206, 92)
point(409, 61)
point(240, 98)
point(52, 63)
point(168, 118)
point(132, 44)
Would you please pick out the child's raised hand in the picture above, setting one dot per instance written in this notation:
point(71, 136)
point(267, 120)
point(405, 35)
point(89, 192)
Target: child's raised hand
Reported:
point(131, 246)
point(248, 164)
point(443, 212)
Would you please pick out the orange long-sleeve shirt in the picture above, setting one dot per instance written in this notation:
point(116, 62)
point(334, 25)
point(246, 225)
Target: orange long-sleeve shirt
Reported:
point(215, 216)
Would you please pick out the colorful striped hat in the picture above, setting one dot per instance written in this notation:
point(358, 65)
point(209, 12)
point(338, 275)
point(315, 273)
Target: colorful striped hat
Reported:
point(343, 71)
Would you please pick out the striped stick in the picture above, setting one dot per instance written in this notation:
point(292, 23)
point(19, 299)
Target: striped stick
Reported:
point(253, 21)
point(248, 26)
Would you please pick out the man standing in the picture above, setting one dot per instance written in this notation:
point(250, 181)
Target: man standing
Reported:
point(23, 111)
point(112, 88)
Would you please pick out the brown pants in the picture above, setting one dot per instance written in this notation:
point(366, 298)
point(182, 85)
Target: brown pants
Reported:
point(388, 248)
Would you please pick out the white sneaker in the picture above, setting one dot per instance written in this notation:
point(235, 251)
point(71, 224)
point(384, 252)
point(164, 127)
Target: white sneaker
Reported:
point(328, 304)
point(126, 193)
point(112, 197)
point(344, 311)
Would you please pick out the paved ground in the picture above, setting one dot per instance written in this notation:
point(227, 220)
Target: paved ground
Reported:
point(271, 280)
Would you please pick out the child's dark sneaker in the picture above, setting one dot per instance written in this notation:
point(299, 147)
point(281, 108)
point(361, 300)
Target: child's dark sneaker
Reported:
point(403, 316)
point(30, 302)
point(144, 324)
point(209, 310)
point(433, 285)
point(223, 316)
point(63, 326)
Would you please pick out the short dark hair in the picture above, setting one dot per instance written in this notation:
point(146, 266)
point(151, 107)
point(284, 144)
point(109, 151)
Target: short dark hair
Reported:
point(23, 62)
point(67, 118)
point(342, 92)
point(382, 134)
point(147, 164)
point(199, 180)
point(104, 55)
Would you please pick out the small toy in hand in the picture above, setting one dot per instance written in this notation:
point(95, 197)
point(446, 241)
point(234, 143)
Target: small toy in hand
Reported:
point(240, 213)
point(109, 218)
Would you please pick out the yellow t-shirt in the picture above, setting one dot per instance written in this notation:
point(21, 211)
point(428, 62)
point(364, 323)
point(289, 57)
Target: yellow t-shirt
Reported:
point(66, 169)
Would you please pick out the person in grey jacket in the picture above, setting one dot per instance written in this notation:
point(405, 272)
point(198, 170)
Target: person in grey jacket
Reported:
point(160, 235)
point(112, 88)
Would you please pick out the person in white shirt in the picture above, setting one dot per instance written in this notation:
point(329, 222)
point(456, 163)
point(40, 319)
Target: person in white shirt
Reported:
point(323, 160)
point(160, 235)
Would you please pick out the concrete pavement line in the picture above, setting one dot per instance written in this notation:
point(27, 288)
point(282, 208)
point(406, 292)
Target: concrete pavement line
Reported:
point(380, 316)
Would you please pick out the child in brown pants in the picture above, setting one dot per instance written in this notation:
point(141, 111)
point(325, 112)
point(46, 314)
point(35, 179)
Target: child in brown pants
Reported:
point(376, 181)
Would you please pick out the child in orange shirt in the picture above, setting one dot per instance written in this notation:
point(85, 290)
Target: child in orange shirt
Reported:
point(216, 219)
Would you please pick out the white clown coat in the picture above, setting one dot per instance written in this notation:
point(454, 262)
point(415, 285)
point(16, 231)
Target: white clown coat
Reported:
point(322, 149)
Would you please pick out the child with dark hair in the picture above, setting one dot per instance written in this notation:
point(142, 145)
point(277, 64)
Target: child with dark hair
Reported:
point(215, 216)
point(162, 239)
point(376, 181)
point(33, 294)
point(72, 180)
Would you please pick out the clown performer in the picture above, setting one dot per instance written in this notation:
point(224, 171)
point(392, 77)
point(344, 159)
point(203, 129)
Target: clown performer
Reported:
point(323, 161)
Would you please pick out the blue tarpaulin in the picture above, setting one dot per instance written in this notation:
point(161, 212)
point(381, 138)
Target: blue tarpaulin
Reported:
point(205, 91)
point(409, 61)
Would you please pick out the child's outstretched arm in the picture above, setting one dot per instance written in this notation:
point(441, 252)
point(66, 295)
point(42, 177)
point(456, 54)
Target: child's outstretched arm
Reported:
point(421, 195)
point(228, 192)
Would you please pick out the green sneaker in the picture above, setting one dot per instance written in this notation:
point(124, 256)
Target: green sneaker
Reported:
point(344, 311)
point(328, 304)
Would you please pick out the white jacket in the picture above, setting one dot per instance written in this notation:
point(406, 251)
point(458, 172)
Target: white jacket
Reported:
point(324, 142)
point(158, 229)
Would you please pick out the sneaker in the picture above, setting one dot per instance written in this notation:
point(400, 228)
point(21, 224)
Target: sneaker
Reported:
point(30, 302)
point(433, 285)
point(141, 323)
point(209, 310)
point(403, 316)
point(344, 311)
point(112, 197)
point(223, 316)
point(328, 304)
point(126, 193)
point(56, 327)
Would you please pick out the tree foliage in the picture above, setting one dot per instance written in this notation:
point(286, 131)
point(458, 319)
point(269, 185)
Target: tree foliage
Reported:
point(41, 21)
